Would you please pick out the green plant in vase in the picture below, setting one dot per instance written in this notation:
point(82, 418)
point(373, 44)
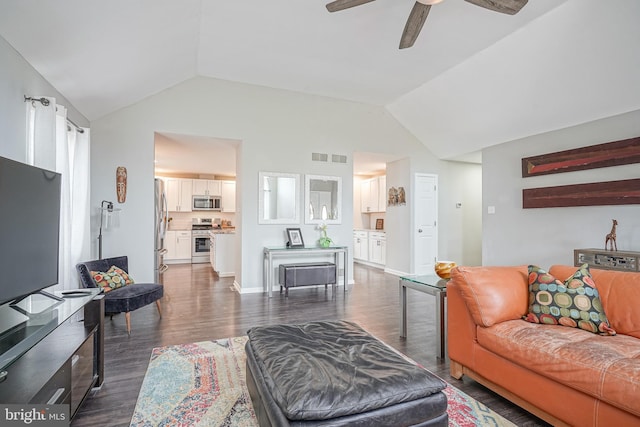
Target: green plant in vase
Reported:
point(324, 241)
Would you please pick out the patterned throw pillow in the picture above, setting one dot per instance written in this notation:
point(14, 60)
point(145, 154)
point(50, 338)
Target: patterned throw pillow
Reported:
point(113, 279)
point(127, 279)
point(574, 302)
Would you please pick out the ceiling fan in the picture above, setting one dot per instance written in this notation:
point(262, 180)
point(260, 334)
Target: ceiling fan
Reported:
point(421, 9)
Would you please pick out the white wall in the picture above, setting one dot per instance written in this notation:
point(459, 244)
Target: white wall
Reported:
point(279, 130)
point(576, 64)
point(462, 225)
point(398, 219)
point(514, 236)
point(19, 78)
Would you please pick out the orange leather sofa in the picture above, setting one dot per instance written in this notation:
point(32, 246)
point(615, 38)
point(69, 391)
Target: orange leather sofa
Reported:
point(563, 375)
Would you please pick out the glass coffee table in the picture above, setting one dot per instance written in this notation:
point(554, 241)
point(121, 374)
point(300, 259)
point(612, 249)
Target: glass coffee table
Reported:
point(428, 284)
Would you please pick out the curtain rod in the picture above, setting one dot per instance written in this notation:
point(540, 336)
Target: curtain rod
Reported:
point(44, 101)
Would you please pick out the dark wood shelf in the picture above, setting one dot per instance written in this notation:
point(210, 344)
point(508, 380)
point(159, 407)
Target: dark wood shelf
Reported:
point(607, 260)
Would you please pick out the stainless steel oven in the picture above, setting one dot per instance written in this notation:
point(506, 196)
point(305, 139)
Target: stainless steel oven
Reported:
point(200, 240)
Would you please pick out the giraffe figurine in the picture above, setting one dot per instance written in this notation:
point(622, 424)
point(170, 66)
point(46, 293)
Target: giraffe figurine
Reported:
point(611, 237)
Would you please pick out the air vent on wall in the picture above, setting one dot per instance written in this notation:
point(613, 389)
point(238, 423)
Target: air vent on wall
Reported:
point(338, 158)
point(319, 157)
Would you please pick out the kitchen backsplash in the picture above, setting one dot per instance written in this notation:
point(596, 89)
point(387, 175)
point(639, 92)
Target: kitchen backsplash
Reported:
point(182, 220)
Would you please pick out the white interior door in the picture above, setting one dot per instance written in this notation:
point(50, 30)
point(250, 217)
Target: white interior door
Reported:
point(425, 220)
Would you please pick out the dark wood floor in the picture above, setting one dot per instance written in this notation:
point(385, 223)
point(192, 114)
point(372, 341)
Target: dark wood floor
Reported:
point(199, 306)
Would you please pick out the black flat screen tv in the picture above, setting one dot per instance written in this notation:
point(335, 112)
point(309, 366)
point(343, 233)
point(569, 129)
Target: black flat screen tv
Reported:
point(29, 229)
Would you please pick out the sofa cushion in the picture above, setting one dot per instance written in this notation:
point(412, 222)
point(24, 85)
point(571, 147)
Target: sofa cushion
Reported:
point(574, 303)
point(493, 294)
point(619, 292)
point(605, 367)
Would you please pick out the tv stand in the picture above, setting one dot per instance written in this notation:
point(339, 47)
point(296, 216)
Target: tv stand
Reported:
point(52, 357)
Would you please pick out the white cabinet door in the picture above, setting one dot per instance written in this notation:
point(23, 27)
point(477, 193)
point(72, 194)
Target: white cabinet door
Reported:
point(365, 196)
point(178, 246)
point(228, 198)
point(360, 245)
point(206, 187)
point(200, 187)
point(356, 248)
point(373, 195)
point(179, 192)
point(173, 195)
point(377, 248)
point(186, 195)
point(183, 245)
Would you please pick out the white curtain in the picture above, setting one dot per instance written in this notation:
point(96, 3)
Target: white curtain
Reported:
point(72, 161)
point(53, 144)
point(41, 133)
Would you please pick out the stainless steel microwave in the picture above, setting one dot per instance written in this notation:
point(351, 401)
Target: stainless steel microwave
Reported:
point(206, 203)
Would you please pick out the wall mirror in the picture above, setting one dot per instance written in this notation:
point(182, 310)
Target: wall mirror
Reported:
point(279, 198)
point(323, 200)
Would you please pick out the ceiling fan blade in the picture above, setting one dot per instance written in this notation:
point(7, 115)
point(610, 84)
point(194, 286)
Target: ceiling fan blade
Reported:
point(414, 24)
point(510, 7)
point(337, 5)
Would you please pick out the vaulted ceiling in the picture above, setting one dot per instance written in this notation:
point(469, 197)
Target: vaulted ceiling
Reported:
point(473, 78)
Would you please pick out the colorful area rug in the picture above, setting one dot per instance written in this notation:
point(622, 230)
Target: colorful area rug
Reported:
point(203, 384)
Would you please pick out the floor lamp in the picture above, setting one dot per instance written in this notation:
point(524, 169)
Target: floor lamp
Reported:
point(105, 207)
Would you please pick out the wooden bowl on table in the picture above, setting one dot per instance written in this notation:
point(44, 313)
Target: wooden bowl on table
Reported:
point(443, 269)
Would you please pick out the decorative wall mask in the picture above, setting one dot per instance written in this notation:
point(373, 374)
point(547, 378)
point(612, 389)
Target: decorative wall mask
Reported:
point(121, 183)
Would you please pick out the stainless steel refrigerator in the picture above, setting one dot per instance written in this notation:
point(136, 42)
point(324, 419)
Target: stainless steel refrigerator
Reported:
point(161, 221)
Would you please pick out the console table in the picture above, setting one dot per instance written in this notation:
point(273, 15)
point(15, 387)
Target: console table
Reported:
point(270, 253)
point(53, 358)
point(432, 285)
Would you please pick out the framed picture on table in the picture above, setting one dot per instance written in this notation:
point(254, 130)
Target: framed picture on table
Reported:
point(294, 236)
point(379, 224)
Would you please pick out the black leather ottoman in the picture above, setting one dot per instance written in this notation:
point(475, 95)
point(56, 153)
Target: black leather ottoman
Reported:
point(335, 373)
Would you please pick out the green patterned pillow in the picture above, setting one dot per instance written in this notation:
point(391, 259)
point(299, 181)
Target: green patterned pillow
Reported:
point(574, 302)
point(113, 279)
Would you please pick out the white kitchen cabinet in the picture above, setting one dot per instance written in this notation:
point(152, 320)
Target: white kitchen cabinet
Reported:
point(178, 246)
point(377, 247)
point(370, 247)
point(179, 194)
point(372, 195)
point(207, 187)
point(228, 198)
point(361, 245)
point(223, 250)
